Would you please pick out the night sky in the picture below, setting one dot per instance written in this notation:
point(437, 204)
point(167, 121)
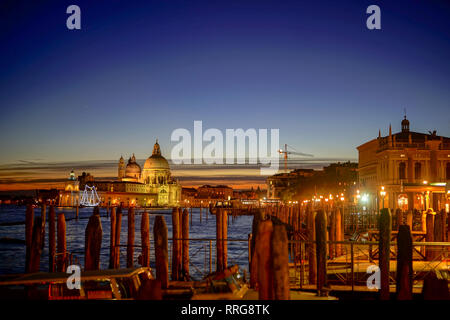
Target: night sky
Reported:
point(138, 70)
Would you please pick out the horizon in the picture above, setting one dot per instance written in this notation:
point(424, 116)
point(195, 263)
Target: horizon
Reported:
point(137, 72)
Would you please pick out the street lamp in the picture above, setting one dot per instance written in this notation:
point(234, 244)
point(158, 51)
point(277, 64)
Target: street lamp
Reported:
point(383, 194)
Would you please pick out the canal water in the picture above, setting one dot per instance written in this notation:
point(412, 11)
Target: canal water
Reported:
point(12, 254)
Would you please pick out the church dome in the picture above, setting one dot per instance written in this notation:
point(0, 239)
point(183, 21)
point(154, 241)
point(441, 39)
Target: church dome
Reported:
point(156, 160)
point(132, 170)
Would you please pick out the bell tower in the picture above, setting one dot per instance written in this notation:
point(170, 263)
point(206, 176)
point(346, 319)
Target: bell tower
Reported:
point(121, 173)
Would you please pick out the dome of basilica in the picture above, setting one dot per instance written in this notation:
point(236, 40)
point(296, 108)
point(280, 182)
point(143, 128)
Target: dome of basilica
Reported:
point(132, 170)
point(156, 160)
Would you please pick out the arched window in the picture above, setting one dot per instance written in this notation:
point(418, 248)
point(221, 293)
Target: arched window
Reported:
point(418, 170)
point(402, 170)
point(448, 171)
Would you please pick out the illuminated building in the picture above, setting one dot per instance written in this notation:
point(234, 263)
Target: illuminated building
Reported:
point(413, 168)
point(151, 186)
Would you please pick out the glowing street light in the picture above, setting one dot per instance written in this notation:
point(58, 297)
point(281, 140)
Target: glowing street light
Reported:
point(383, 194)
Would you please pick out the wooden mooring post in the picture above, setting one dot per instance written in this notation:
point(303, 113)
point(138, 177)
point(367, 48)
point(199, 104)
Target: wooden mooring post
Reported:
point(145, 239)
point(321, 251)
point(161, 251)
point(263, 259)
point(36, 246)
point(385, 228)
point(93, 242)
point(404, 263)
point(219, 236)
point(224, 241)
point(176, 245)
point(61, 243)
point(312, 264)
point(51, 239)
point(280, 262)
point(429, 251)
point(185, 236)
point(130, 242)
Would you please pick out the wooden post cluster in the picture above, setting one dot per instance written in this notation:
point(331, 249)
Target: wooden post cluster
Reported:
point(161, 251)
point(385, 228)
point(130, 242)
point(145, 239)
point(93, 242)
point(270, 261)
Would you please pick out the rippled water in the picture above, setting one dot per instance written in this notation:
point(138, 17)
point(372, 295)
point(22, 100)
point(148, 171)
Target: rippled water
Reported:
point(12, 256)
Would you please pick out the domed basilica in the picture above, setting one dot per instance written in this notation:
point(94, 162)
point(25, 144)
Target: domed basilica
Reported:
point(154, 177)
point(148, 187)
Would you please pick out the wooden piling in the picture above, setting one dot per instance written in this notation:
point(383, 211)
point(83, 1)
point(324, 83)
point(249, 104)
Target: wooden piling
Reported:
point(399, 215)
point(61, 243)
point(225, 238)
point(185, 236)
point(130, 242)
point(409, 219)
point(117, 238)
point(112, 238)
point(51, 239)
point(332, 236)
point(176, 272)
point(429, 253)
point(321, 251)
point(93, 242)
point(311, 246)
point(219, 235)
point(145, 239)
point(339, 232)
point(161, 251)
point(29, 220)
point(263, 253)
point(257, 218)
point(280, 261)
point(404, 263)
point(385, 228)
point(36, 246)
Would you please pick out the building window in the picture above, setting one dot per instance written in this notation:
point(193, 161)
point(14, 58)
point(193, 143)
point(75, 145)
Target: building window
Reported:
point(402, 170)
point(418, 170)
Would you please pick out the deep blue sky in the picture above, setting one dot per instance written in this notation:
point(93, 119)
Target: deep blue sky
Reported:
point(138, 70)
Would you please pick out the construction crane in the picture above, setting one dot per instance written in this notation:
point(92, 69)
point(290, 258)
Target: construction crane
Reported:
point(286, 152)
